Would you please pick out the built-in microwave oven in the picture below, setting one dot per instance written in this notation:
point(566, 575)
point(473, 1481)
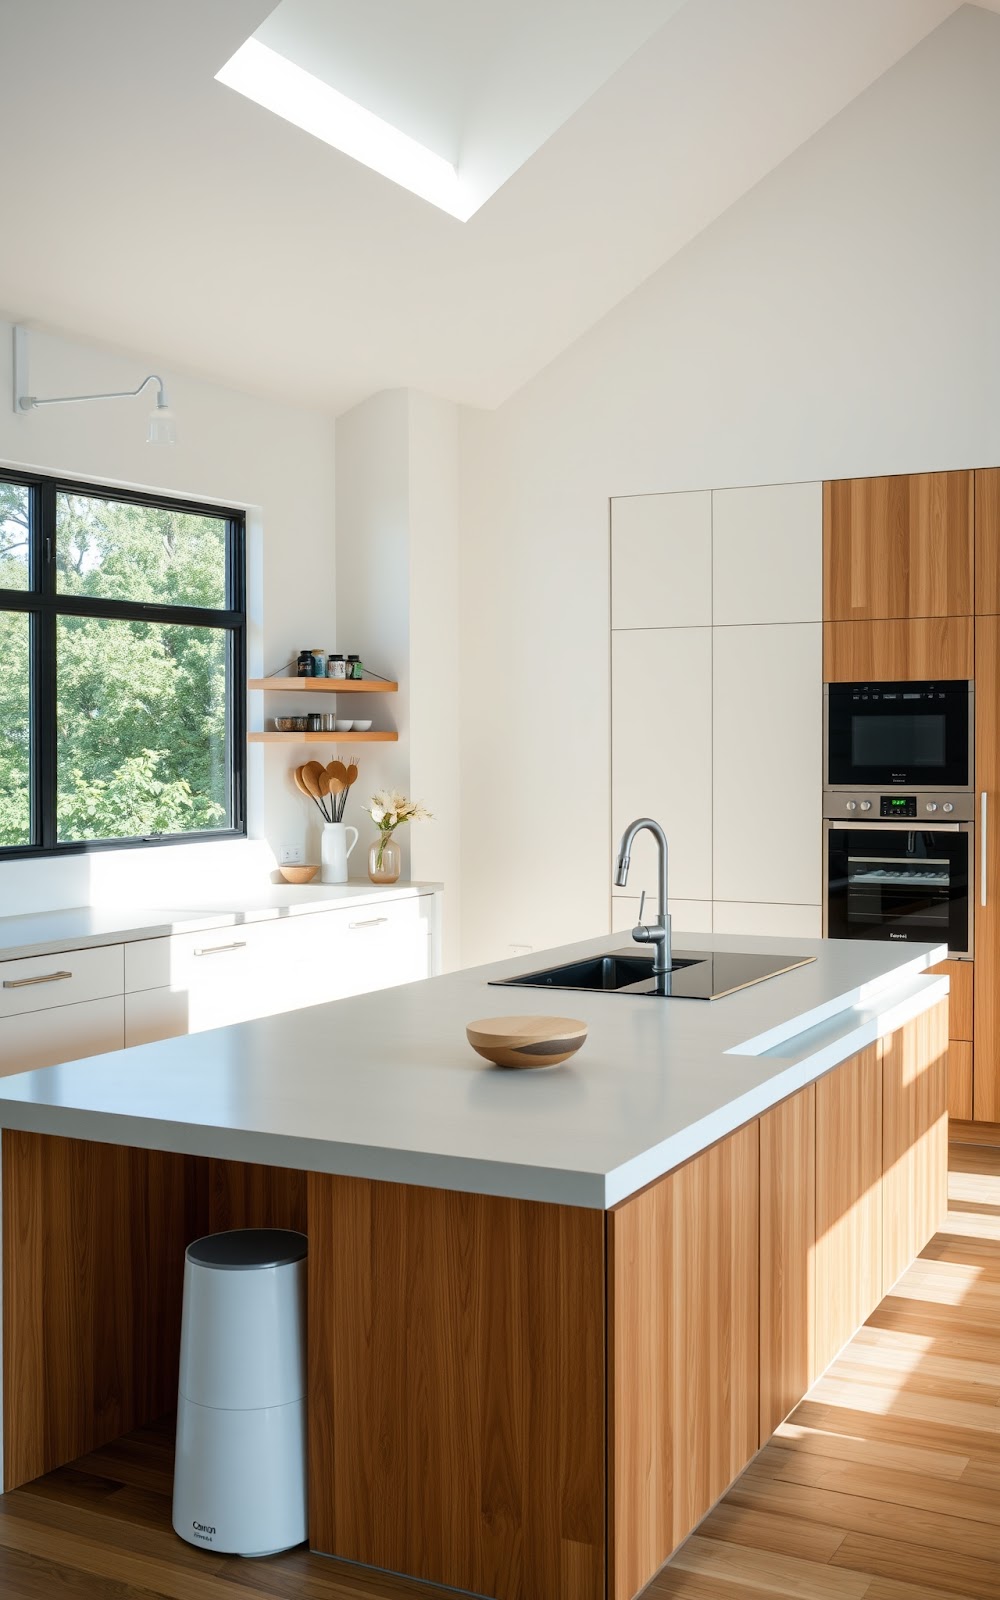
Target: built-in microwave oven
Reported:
point(911, 735)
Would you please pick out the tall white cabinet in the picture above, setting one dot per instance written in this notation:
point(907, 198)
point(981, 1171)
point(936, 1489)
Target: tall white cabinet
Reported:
point(716, 694)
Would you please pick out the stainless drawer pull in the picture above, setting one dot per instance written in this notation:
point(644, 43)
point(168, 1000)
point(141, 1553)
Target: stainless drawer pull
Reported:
point(26, 983)
point(222, 949)
point(372, 922)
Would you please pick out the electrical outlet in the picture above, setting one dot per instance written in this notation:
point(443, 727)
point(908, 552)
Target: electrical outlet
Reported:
point(291, 856)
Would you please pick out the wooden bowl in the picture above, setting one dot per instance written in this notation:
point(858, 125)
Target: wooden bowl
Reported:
point(298, 874)
point(526, 1041)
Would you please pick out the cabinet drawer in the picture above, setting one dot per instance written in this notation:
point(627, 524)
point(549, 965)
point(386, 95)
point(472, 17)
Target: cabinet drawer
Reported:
point(65, 1033)
point(41, 983)
point(215, 955)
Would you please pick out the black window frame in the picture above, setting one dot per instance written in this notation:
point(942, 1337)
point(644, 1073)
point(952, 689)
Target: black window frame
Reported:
point(44, 605)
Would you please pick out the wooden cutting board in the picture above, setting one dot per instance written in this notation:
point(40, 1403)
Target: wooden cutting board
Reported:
point(526, 1041)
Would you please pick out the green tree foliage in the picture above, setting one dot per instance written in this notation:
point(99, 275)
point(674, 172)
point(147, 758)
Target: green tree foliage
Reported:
point(141, 707)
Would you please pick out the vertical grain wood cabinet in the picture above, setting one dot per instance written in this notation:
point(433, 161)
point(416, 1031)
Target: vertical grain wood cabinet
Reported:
point(988, 541)
point(898, 547)
point(683, 1313)
point(848, 1202)
point(914, 1138)
point(787, 1255)
point(986, 1067)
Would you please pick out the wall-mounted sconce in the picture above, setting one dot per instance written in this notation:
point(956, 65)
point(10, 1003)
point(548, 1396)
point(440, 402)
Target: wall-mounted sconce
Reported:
point(162, 427)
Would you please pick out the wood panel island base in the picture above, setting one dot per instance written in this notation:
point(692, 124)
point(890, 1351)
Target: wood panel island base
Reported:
point(511, 1395)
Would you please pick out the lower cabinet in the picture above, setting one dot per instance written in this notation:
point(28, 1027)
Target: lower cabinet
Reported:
point(61, 1033)
point(787, 1255)
point(682, 1353)
point(914, 1139)
point(191, 982)
point(848, 1251)
point(960, 1032)
point(733, 1282)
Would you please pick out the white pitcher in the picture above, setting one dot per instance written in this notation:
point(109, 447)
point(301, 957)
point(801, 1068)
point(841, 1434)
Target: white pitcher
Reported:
point(334, 851)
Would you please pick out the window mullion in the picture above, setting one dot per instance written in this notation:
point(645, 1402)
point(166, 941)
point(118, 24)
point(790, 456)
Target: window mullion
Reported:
point(44, 743)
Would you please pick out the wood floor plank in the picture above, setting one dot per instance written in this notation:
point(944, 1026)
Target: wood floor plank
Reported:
point(770, 1531)
point(970, 1576)
point(767, 1571)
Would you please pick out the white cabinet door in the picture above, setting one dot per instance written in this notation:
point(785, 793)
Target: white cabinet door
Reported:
point(783, 922)
point(767, 554)
point(661, 561)
point(686, 916)
point(767, 739)
point(661, 760)
point(64, 1033)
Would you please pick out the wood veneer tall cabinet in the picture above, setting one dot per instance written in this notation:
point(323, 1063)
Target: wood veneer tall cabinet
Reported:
point(986, 1067)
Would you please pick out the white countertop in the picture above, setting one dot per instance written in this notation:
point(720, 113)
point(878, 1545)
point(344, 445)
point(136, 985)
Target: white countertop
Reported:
point(385, 1085)
point(77, 928)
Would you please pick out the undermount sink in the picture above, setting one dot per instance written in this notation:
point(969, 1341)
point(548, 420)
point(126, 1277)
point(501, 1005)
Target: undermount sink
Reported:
point(693, 975)
point(633, 974)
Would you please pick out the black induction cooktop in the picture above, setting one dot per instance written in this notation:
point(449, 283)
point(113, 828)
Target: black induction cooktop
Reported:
point(694, 975)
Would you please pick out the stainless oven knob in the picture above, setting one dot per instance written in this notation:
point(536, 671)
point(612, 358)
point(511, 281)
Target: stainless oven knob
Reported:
point(852, 805)
point(931, 805)
point(866, 805)
point(947, 806)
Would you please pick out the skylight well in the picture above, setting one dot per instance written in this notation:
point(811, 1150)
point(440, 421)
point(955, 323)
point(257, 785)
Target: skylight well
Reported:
point(290, 92)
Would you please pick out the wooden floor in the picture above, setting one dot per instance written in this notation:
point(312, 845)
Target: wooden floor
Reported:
point(884, 1484)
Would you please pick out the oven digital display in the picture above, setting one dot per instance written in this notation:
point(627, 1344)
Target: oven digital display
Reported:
point(898, 805)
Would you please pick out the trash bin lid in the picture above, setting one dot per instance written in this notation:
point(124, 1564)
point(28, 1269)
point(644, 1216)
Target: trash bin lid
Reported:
point(248, 1249)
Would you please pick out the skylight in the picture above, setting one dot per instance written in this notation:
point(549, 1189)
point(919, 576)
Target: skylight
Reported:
point(289, 91)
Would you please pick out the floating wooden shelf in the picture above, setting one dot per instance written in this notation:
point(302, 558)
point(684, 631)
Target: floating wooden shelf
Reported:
point(271, 737)
point(325, 685)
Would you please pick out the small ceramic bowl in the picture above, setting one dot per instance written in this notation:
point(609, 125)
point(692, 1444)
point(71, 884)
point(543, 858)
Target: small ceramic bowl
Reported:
point(362, 727)
point(291, 724)
point(298, 874)
point(345, 727)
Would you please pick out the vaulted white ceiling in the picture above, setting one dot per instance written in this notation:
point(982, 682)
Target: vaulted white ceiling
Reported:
point(148, 206)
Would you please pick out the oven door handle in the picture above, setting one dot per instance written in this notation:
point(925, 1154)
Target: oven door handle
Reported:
point(902, 827)
point(983, 817)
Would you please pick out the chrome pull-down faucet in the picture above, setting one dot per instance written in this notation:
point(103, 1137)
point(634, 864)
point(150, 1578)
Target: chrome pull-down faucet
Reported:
point(659, 934)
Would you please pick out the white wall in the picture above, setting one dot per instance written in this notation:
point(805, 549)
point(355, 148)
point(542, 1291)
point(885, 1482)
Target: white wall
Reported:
point(842, 319)
point(235, 449)
point(397, 600)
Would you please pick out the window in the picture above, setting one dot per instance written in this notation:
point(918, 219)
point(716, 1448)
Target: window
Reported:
point(123, 656)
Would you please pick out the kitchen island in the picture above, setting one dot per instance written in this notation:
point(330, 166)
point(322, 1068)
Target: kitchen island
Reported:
point(552, 1314)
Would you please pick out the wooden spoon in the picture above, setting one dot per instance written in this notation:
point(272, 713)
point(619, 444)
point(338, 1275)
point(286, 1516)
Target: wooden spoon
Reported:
point(336, 769)
point(351, 775)
point(310, 777)
point(297, 775)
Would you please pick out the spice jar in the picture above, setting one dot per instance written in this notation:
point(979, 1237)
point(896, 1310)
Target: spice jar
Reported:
point(338, 667)
point(354, 667)
point(319, 663)
point(304, 665)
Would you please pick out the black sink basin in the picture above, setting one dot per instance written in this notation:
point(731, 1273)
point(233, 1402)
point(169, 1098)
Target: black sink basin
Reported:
point(694, 976)
point(601, 972)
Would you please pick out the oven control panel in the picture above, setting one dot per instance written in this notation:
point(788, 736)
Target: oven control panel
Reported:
point(927, 808)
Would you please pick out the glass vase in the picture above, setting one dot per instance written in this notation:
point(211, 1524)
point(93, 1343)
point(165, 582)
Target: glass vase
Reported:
point(385, 860)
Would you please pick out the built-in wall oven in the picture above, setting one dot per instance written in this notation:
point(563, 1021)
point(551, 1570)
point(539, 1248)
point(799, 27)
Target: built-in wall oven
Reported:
point(915, 736)
point(900, 866)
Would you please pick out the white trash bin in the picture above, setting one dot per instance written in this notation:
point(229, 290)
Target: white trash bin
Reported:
point(240, 1469)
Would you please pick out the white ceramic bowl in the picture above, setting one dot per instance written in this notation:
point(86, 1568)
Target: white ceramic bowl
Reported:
point(362, 727)
point(345, 727)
